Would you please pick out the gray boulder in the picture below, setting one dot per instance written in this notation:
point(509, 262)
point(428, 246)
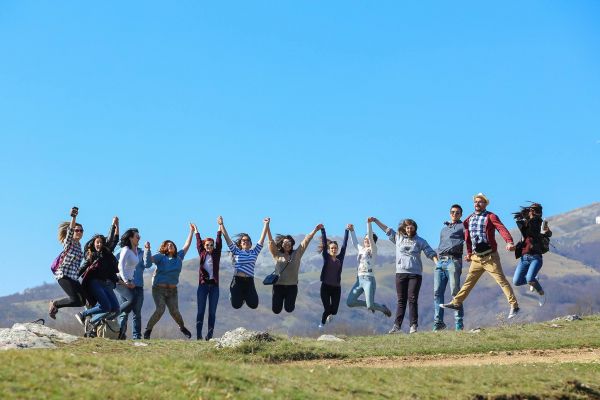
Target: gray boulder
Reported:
point(32, 336)
point(239, 336)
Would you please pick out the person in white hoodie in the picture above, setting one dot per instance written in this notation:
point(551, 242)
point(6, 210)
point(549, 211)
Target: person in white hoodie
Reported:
point(365, 278)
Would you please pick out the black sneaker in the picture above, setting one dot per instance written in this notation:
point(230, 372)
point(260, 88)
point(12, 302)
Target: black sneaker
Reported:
point(147, 333)
point(187, 333)
point(450, 306)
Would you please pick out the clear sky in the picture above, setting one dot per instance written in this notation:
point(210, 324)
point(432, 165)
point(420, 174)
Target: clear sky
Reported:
point(304, 111)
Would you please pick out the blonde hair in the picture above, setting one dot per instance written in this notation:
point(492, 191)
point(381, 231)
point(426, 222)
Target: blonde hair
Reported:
point(62, 230)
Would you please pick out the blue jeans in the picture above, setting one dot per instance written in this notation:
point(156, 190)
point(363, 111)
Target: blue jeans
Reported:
point(131, 300)
point(367, 285)
point(210, 291)
point(446, 270)
point(527, 270)
point(105, 296)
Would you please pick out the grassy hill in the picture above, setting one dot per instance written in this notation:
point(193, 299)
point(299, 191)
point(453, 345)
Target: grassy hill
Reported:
point(525, 361)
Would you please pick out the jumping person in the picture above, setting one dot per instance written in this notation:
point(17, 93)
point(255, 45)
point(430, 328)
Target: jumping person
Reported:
point(449, 268)
point(534, 231)
point(99, 274)
point(287, 266)
point(331, 275)
point(409, 269)
point(69, 234)
point(482, 252)
point(132, 263)
point(365, 277)
point(168, 263)
point(209, 251)
point(242, 289)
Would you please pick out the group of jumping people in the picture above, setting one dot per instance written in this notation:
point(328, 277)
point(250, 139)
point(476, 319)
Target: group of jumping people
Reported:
point(91, 276)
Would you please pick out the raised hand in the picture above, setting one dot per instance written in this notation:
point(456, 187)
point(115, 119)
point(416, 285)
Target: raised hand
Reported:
point(319, 227)
point(115, 221)
point(267, 220)
point(350, 227)
point(147, 245)
point(220, 220)
point(194, 227)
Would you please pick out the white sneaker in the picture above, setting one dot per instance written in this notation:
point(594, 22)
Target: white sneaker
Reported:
point(531, 288)
point(321, 326)
point(329, 318)
point(513, 312)
point(413, 329)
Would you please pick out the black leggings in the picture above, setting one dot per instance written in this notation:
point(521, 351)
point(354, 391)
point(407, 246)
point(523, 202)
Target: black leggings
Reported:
point(74, 290)
point(284, 296)
point(407, 288)
point(242, 290)
point(330, 296)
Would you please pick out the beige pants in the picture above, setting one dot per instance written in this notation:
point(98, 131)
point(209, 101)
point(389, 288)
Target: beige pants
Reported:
point(491, 264)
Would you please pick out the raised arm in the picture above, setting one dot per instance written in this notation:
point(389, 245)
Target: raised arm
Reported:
point(324, 244)
point(304, 244)
point(198, 240)
point(113, 235)
point(344, 243)
point(224, 231)
point(391, 234)
point(380, 224)
point(147, 257)
point(188, 241)
point(370, 237)
point(266, 222)
point(353, 238)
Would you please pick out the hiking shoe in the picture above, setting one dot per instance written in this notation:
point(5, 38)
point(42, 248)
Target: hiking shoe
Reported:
point(513, 312)
point(386, 311)
point(185, 332)
point(439, 327)
point(395, 329)
point(413, 329)
point(80, 318)
point(52, 310)
point(450, 306)
point(147, 333)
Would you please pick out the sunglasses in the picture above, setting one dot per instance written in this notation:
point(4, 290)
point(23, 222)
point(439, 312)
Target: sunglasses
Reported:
point(455, 212)
point(77, 230)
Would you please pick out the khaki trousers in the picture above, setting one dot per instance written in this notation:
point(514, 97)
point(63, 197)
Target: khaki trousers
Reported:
point(491, 264)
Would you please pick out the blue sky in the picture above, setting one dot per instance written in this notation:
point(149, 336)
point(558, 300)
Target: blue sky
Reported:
point(306, 112)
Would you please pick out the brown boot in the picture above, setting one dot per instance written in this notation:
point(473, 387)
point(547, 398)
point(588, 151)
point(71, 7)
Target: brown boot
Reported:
point(52, 310)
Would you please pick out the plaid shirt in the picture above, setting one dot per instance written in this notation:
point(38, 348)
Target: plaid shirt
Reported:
point(477, 228)
point(72, 258)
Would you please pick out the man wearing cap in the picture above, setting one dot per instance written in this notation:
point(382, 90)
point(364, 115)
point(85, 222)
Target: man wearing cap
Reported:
point(483, 255)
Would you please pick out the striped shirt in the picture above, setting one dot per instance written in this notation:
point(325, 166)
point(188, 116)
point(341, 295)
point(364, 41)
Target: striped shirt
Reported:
point(72, 259)
point(245, 259)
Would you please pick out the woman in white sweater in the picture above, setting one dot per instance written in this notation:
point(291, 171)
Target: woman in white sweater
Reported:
point(365, 279)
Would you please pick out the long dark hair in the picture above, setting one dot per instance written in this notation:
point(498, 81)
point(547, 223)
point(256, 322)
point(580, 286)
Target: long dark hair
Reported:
point(89, 248)
point(279, 242)
point(126, 237)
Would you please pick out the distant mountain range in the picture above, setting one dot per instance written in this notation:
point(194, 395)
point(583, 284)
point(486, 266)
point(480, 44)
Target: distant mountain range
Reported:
point(570, 276)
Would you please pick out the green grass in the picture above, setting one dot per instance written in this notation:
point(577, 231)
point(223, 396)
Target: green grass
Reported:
point(96, 368)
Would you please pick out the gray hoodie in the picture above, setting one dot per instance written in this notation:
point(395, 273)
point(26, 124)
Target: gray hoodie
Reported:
point(408, 252)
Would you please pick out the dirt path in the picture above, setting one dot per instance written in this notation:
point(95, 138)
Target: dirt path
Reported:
point(499, 358)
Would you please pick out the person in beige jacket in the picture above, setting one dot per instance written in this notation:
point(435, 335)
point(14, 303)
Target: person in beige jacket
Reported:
point(287, 266)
